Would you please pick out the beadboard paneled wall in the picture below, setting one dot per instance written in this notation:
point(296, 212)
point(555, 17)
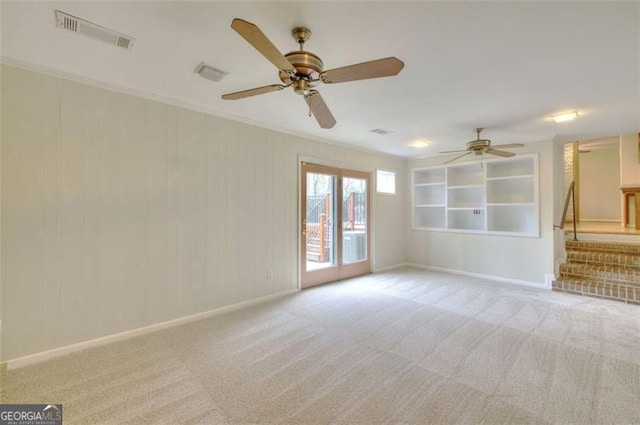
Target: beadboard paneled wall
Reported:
point(121, 212)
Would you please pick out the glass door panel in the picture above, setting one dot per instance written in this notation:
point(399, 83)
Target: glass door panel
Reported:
point(321, 232)
point(319, 225)
point(354, 246)
point(354, 220)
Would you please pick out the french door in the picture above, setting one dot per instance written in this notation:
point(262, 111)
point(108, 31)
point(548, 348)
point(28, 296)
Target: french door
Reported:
point(335, 224)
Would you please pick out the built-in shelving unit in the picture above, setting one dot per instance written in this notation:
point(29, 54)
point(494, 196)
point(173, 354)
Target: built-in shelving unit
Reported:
point(497, 196)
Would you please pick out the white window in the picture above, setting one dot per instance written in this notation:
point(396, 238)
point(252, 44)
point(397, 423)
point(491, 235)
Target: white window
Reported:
point(386, 182)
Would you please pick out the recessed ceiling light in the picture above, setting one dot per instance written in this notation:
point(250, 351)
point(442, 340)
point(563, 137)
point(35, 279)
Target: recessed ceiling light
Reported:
point(419, 143)
point(568, 116)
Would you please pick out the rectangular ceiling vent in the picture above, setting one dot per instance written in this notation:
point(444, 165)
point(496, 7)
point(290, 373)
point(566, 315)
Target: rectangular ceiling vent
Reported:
point(381, 131)
point(210, 73)
point(81, 26)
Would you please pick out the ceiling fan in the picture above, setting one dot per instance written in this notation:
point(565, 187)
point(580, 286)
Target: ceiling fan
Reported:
point(482, 146)
point(301, 69)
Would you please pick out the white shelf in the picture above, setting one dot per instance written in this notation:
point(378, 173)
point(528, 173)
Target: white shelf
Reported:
point(468, 186)
point(428, 184)
point(510, 204)
point(510, 177)
point(500, 199)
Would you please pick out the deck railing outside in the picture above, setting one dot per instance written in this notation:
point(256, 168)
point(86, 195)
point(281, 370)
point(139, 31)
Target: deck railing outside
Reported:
point(319, 218)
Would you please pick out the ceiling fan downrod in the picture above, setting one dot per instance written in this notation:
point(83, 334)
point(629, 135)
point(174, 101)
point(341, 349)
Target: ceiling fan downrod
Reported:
point(301, 35)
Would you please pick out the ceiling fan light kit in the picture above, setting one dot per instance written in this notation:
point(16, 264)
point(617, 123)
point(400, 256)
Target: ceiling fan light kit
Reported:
point(301, 70)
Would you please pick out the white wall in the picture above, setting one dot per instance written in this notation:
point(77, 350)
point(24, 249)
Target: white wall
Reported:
point(599, 172)
point(1, 208)
point(629, 160)
point(629, 169)
point(121, 212)
point(519, 259)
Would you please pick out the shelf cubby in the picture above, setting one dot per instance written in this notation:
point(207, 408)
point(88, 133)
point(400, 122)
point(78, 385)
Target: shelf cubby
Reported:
point(433, 194)
point(510, 168)
point(429, 217)
point(465, 175)
point(512, 219)
point(465, 219)
point(510, 190)
point(429, 176)
point(465, 197)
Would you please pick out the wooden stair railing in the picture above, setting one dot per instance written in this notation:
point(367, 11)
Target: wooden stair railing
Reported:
point(570, 196)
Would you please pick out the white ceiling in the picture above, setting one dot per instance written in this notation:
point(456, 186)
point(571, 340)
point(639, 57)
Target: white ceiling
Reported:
point(505, 66)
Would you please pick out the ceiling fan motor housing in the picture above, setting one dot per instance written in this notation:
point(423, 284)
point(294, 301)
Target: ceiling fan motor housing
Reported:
point(478, 146)
point(308, 66)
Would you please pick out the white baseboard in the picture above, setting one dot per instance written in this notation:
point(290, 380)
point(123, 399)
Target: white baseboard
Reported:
point(548, 279)
point(68, 349)
point(387, 268)
point(539, 285)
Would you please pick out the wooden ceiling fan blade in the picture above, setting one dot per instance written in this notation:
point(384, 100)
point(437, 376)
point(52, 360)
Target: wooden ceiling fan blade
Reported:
point(386, 67)
point(497, 152)
point(458, 157)
point(459, 150)
point(254, 36)
point(253, 92)
point(509, 146)
point(320, 110)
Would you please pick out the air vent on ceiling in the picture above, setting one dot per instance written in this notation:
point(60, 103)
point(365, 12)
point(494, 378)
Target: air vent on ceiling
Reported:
point(381, 131)
point(81, 26)
point(210, 73)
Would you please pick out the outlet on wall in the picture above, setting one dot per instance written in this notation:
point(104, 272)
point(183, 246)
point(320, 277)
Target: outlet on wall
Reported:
point(270, 274)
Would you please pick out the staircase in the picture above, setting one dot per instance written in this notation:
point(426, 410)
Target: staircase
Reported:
point(609, 270)
point(313, 250)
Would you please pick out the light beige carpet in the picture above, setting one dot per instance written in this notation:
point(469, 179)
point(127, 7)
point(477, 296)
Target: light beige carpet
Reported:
point(404, 347)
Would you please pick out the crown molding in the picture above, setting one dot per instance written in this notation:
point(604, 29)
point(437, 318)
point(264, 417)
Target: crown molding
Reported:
point(28, 66)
